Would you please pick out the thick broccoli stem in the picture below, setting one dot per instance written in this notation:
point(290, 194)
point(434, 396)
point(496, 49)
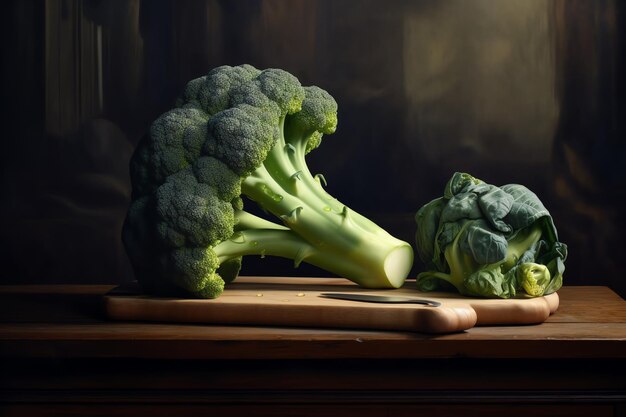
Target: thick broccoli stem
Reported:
point(334, 204)
point(257, 236)
point(296, 154)
point(271, 242)
point(279, 167)
point(339, 244)
point(245, 220)
point(282, 243)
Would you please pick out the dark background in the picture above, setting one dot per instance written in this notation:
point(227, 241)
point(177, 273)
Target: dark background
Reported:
point(528, 91)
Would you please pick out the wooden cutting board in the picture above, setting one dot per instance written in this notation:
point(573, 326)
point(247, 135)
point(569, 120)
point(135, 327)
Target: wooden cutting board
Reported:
point(296, 302)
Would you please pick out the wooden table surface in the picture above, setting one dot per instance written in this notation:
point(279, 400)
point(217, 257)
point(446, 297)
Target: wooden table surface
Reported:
point(56, 344)
point(44, 321)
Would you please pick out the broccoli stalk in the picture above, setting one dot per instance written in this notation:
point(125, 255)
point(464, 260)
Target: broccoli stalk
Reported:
point(322, 231)
point(244, 132)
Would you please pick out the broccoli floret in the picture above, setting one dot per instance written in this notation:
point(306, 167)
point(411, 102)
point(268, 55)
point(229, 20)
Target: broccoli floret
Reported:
point(235, 132)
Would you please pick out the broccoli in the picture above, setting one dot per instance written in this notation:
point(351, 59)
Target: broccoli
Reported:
point(488, 241)
point(240, 131)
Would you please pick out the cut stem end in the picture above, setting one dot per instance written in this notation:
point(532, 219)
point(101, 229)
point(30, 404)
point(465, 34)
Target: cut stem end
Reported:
point(398, 264)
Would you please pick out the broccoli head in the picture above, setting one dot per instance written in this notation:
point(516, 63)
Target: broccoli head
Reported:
point(240, 131)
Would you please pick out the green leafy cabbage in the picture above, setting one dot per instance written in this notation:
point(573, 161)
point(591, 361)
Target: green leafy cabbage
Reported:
point(488, 241)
